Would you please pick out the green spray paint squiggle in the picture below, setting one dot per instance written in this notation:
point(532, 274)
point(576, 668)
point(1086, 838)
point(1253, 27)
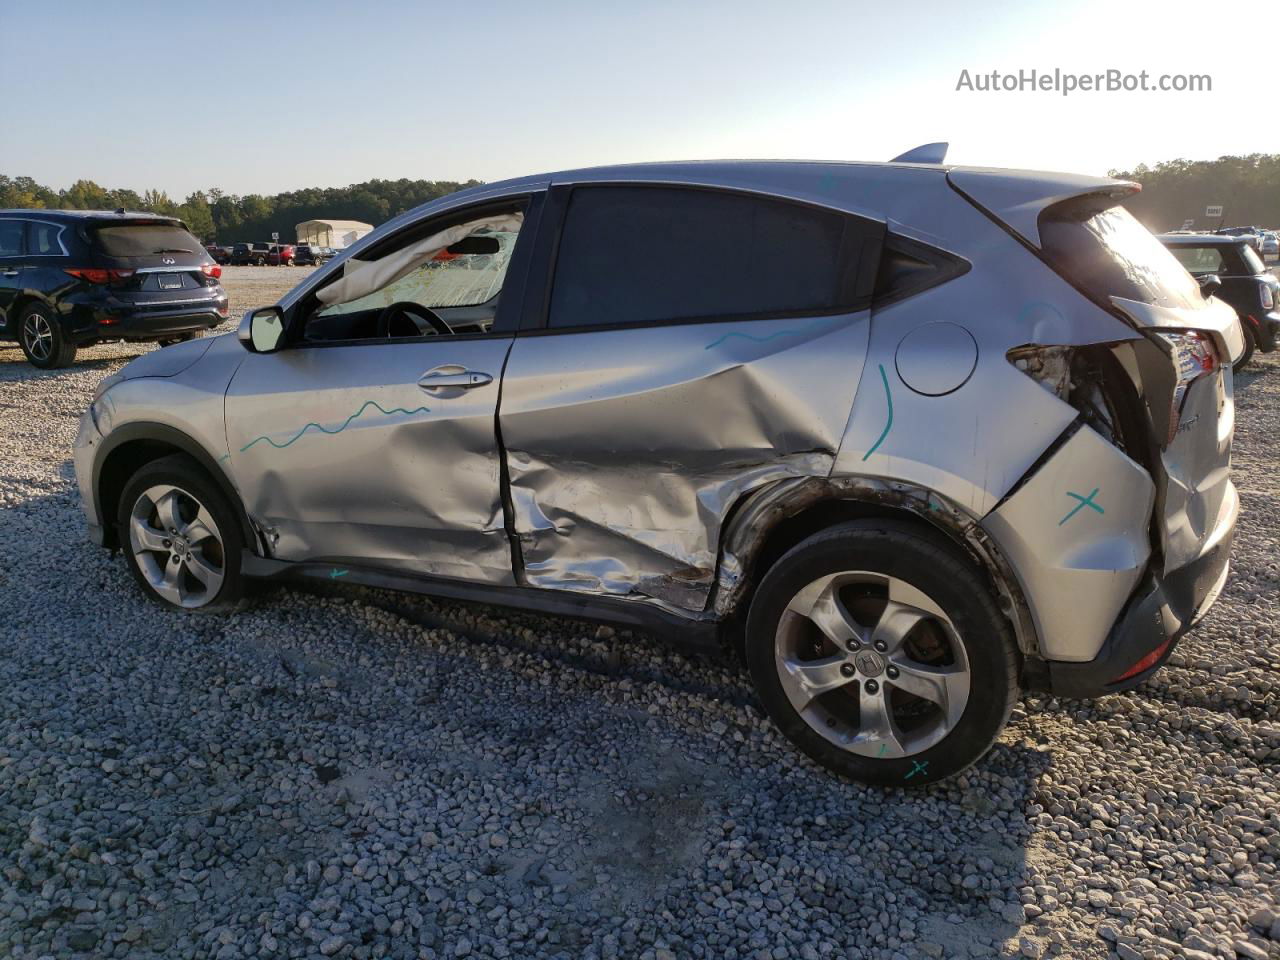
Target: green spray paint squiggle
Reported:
point(884, 378)
point(346, 423)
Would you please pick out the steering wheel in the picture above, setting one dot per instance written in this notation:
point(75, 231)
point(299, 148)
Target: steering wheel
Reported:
point(423, 320)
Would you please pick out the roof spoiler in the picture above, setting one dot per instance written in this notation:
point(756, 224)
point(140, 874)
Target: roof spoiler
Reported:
point(925, 153)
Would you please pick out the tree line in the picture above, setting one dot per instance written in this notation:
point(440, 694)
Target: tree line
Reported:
point(214, 215)
point(1173, 192)
point(1248, 189)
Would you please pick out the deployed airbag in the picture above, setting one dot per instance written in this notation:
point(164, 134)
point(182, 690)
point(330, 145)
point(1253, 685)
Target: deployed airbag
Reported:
point(363, 277)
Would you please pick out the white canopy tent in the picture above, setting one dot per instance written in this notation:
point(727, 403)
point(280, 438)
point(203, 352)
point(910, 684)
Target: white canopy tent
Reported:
point(332, 233)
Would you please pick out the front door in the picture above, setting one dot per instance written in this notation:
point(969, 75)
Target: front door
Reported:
point(371, 437)
point(696, 345)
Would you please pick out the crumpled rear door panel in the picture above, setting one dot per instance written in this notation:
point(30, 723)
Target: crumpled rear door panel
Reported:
point(627, 448)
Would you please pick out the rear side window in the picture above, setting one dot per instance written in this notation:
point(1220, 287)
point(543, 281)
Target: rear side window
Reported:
point(11, 232)
point(129, 240)
point(1252, 262)
point(42, 239)
point(1107, 253)
point(633, 255)
point(1200, 260)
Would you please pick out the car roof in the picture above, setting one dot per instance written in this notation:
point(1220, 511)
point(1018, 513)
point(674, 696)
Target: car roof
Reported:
point(74, 216)
point(1200, 239)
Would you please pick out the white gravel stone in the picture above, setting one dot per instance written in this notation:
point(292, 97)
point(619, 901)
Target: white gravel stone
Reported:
point(361, 774)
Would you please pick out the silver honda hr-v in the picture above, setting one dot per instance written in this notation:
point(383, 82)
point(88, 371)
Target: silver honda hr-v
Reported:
point(915, 436)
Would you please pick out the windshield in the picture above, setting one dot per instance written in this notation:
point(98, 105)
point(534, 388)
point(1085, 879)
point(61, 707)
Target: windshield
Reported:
point(144, 239)
point(1110, 254)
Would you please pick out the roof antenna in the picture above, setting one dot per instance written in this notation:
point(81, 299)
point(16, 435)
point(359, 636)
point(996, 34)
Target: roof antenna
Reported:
point(925, 153)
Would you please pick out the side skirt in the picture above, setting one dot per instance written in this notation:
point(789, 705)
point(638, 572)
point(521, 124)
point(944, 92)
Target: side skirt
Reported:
point(700, 633)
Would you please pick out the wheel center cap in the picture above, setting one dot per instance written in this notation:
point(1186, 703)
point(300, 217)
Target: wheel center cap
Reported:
point(869, 663)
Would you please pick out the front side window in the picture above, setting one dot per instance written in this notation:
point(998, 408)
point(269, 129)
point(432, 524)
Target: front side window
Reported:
point(631, 255)
point(441, 280)
point(465, 273)
point(11, 232)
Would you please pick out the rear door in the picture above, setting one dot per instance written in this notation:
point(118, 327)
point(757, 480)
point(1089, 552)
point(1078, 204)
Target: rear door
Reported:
point(691, 344)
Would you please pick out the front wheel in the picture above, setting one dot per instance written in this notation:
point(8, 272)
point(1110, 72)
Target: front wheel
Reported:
point(181, 537)
point(877, 649)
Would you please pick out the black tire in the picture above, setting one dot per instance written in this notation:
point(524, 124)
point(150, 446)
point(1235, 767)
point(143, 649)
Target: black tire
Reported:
point(180, 338)
point(42, 340)
point(1250, 344)
point(182, 472)
point(928, 563)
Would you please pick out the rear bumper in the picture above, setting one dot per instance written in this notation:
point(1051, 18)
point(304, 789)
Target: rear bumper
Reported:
point(112, 318)
point(1160, 612)
point(1268, 331)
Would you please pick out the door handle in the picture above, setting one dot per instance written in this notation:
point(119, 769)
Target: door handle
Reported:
point(453, 376)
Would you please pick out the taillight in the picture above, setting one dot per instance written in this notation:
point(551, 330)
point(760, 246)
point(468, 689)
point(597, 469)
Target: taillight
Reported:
point(1195, 356)
point(98, 274)
point(211, 270)
point(1268, 298)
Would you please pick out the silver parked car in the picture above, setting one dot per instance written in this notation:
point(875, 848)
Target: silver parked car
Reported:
point(916, 436)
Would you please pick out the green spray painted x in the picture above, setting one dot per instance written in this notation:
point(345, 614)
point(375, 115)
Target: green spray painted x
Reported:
point(1084, 502)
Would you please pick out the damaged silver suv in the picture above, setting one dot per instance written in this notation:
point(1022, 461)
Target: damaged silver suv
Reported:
point(916, 436)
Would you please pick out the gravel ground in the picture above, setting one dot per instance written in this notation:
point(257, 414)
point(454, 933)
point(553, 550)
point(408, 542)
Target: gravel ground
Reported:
point(364, 775)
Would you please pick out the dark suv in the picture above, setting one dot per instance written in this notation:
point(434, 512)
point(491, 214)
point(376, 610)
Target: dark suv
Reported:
point(1246, 284)
point(73, 278)
point(310, 255)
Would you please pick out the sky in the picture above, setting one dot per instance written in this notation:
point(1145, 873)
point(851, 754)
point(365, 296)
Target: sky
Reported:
point(264, 97)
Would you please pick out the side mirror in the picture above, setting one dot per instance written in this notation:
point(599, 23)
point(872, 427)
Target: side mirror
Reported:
point(262, 330)
point(1210, 284)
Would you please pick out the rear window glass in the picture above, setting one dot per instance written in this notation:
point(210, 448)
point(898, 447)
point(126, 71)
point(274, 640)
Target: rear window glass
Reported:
point(144, 239)
point(650, 254)
point(1110, 254)
point(1251, 260)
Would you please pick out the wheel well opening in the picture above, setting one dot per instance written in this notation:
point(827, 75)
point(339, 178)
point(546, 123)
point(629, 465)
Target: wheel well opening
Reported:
point(792, 530)
point(121, 464)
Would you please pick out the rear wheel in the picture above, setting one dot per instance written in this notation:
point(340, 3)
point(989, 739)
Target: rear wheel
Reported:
point(42, 339)
point(878, 650)
point(181, 536)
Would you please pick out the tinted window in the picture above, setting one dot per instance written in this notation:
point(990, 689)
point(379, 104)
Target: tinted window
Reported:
point(144, 239)
point(1253, 263)
point(11, 237)
point(1108, 254)
point(42, 239)
point(646, 254)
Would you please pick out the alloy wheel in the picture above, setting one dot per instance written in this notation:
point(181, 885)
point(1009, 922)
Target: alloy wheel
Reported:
point(177, 546)
point(37, 336)
point(872, 664)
